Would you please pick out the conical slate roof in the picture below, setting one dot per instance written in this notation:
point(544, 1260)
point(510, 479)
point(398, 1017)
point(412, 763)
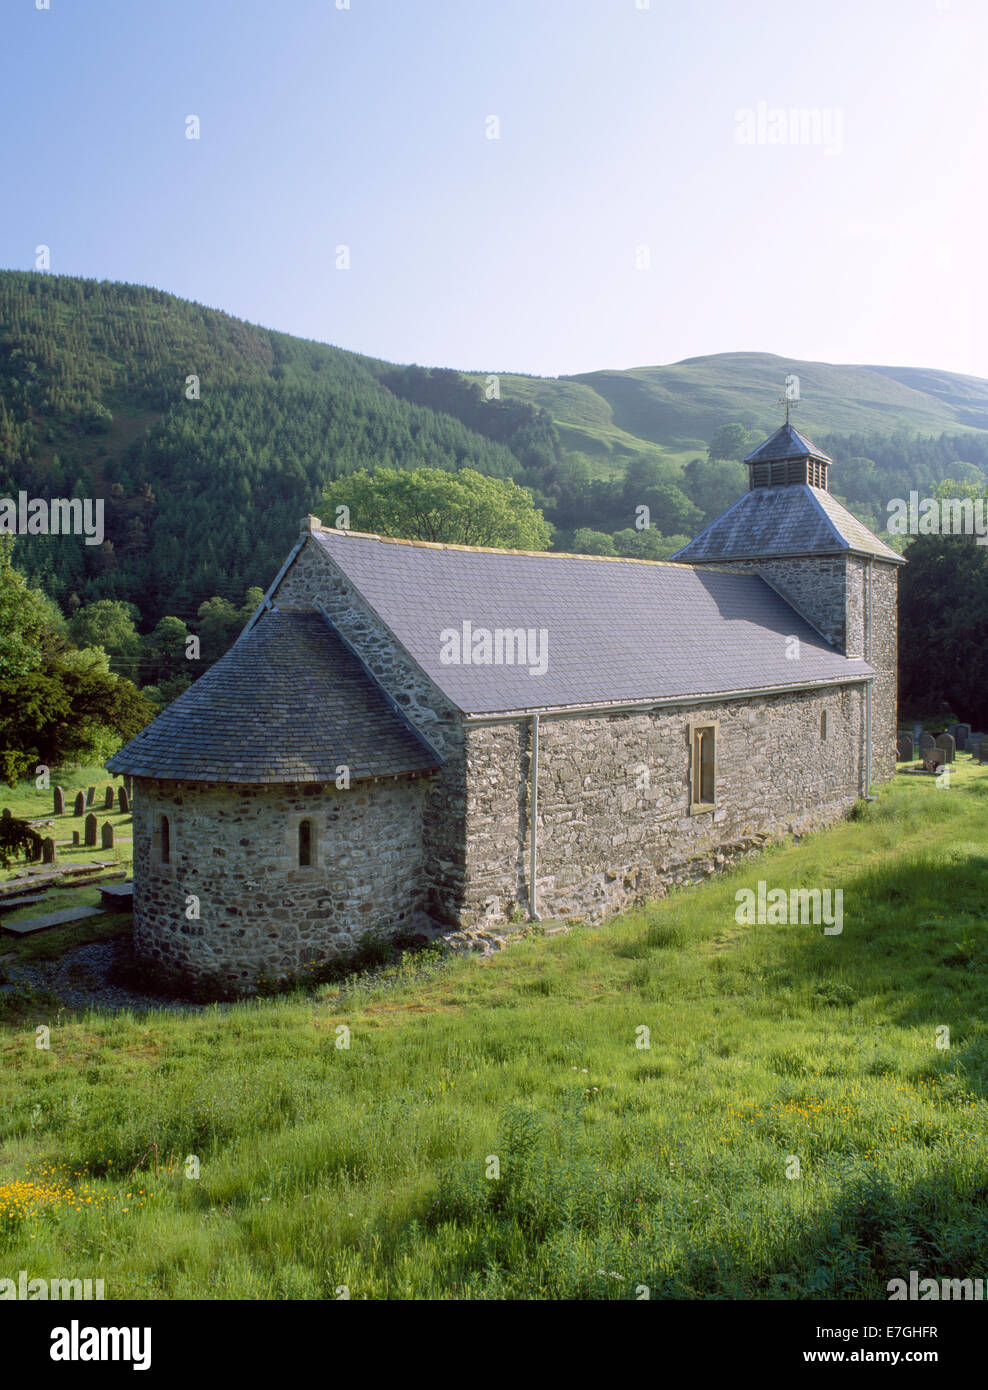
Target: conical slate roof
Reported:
point(776, 521)
point(786, 443)
point(288, 703)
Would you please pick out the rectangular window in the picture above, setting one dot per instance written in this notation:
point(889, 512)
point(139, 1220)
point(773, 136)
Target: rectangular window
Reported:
point(703, 771)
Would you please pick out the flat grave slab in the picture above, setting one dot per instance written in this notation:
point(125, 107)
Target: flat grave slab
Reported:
point(46, 877)
point(27, 900)
point(118, 896)
point(52, 919)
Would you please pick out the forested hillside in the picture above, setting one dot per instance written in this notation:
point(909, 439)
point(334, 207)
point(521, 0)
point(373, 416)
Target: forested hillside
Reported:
point(203, 496)
point(208, 438)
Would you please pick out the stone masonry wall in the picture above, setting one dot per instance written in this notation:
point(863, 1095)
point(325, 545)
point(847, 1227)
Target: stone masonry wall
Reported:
point(315, 580)
point(832, 593)
point(885, 660)
point(614, 824)
point(236, 849)
point(815, 586)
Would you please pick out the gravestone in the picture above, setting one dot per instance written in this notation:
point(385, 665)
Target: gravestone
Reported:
point(973, 743)
point(91, 829)
point(904, 748)
point(917, 732)
point(948, 747)
point(927, 743)
point(108, 800)
point(123, 803)
point(961, 733)
point(983, 751)
point(48, 851)
point(75, 837)
point(80, 805)
point(90, 796)
point(58, 797)
point(106, 836)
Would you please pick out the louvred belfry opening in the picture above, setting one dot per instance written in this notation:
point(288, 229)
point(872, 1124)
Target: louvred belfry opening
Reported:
point(788, 457)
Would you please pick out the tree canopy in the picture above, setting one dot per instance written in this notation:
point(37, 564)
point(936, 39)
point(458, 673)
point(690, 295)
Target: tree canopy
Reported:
point(57, 703)
point(428, 504)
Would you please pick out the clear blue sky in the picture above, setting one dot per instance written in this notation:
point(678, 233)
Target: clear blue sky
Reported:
point(618, 130)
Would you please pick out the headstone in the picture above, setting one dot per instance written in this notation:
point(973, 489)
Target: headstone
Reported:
point(123, 803)
point(904, 748)
point(108, 800)
point(91, 829)
point(917, 732)
point(75, 837)
point(973, 743)
point(945, 742)
point(5, 813)
point(961, 733)
point(80, 805)
point(927, 743)
point(59, 802)
point(983, 751)
point(106, 836)
point(48, 851)
point(90, 796)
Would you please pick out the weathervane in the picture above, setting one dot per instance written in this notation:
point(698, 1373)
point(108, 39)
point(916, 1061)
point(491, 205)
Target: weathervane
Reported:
point(790, 398)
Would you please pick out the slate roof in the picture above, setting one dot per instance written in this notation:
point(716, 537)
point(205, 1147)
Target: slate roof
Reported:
point(288, 703)
point(618, 631)
point(786, 443)
point(775, 521)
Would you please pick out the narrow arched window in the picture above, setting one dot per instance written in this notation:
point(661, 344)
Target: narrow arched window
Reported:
point(165, 841)
point(823, 724)
point(305, 844)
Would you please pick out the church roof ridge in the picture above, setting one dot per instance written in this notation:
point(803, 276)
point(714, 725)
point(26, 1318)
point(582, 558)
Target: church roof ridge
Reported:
point(490, 549)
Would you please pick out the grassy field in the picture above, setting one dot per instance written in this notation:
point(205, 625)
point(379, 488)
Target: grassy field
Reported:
point(374, 1167)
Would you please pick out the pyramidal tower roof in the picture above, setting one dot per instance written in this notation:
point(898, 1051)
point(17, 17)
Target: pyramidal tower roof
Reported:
point(787, 510)
point(786, 443)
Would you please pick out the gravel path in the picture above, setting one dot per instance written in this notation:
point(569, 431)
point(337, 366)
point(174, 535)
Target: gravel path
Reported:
point(80, 979)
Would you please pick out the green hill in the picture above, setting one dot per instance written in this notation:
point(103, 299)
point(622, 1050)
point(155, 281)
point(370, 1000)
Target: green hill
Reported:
point(678, 407)
point(208, 438)
point(203, 495)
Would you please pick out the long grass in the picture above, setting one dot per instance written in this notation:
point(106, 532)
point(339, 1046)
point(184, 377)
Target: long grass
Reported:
point(499, 1129)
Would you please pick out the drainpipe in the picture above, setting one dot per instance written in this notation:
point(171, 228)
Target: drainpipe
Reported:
point(868, 651)
point(532, 906)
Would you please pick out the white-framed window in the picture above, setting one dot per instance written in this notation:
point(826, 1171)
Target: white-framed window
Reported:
point(703, 766)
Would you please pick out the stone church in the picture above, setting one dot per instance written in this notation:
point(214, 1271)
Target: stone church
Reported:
point(409, 733)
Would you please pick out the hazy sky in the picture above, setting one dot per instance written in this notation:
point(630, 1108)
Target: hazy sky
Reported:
point(617, 221)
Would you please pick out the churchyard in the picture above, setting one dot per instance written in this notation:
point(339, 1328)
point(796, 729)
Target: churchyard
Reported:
point(71, 881)
point(666, 1105)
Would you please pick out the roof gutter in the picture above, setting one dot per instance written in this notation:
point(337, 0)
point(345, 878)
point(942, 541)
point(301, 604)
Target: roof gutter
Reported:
point(679, 702)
